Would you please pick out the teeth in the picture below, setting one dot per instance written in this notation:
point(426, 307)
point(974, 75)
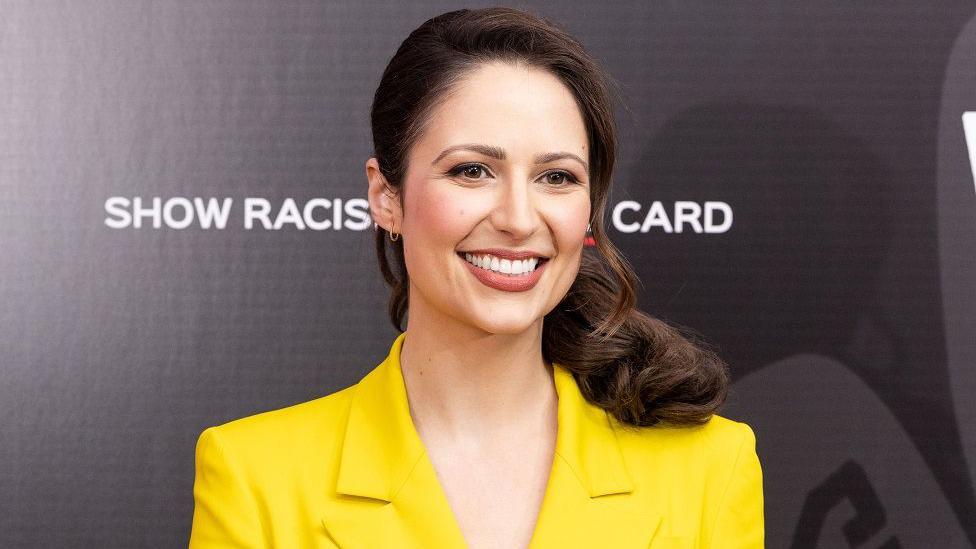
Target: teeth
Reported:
point(499, 265)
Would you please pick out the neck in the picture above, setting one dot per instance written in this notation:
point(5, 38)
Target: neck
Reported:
point(464, 383)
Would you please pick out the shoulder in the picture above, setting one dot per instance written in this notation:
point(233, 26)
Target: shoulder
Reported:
point(712, 468)
point(719, 434)
point(707, 453)
point(311, 429)
point(265, 469)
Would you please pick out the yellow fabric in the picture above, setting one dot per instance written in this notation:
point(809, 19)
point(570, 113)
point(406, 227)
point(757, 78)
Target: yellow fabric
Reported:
point(349, 470)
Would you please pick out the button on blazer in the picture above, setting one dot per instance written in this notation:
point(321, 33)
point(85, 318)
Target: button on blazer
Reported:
point(349, 470)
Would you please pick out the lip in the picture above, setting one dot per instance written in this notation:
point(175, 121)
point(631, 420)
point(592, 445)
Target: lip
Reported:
point(504, 282)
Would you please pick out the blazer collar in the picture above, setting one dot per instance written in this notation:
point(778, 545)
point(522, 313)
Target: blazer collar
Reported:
point(387, 491)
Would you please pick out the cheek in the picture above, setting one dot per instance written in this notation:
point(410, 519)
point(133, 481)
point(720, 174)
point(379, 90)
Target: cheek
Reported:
point(571, 220)
point(438, 217)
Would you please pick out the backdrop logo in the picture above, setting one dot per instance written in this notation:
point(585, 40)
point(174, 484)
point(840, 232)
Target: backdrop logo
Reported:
point(708, 217)
point(317, 214)
point(321, 214)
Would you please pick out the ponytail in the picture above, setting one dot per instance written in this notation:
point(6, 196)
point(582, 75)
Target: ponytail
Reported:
point(640, 369)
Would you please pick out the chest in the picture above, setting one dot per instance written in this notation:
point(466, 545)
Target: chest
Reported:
point(495, 495)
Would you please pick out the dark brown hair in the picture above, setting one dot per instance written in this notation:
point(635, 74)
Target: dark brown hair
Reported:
point(638, 368)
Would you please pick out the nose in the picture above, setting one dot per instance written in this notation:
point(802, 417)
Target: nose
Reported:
point(516, 212)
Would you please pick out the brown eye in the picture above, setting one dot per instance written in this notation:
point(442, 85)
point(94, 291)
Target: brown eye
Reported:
point(470, 171)
point(559, 178)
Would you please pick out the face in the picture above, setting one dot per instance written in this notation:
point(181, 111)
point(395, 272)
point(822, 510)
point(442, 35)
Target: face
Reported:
point(499, 173)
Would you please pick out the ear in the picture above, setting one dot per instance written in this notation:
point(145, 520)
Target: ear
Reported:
point(384, 203)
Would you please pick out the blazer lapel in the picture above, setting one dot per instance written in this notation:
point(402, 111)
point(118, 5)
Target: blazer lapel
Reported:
point(387, 493)
point(590, 499)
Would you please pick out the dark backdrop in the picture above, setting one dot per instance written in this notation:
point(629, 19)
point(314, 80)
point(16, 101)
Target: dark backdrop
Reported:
point(825, 140)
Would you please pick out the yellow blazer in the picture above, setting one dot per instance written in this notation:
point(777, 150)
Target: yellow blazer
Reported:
point(349, 470)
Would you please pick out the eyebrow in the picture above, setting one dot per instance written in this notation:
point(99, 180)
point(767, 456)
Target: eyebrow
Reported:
point(499, 153)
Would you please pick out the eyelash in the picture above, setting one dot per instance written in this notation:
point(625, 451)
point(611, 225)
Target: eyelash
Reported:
point(457, 170)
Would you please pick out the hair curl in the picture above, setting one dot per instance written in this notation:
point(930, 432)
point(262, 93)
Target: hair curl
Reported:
point(640, 369)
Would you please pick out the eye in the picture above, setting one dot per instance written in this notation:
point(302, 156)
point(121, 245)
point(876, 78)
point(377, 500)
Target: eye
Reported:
point(470, 171)
point(559, 177)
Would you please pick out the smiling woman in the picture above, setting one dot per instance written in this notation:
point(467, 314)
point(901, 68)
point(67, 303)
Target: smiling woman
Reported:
point(527, 402)
point(498, 173)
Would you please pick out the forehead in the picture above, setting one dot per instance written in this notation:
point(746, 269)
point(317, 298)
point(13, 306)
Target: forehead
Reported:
point(524, 110)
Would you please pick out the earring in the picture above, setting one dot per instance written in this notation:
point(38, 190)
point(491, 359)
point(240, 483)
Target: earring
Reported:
point(588, 229)
point(394, 236)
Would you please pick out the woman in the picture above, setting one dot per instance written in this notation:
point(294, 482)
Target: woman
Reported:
point(528, 403)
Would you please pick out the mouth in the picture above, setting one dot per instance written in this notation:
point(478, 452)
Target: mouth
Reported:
point(500, 265)
point(503, 274)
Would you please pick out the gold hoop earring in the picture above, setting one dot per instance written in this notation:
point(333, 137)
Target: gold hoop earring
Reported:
point(394, 236)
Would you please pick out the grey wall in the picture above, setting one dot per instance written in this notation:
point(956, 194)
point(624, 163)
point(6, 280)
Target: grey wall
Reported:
point(842, 293)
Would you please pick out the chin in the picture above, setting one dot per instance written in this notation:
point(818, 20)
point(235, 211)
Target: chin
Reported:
point(507, 326)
